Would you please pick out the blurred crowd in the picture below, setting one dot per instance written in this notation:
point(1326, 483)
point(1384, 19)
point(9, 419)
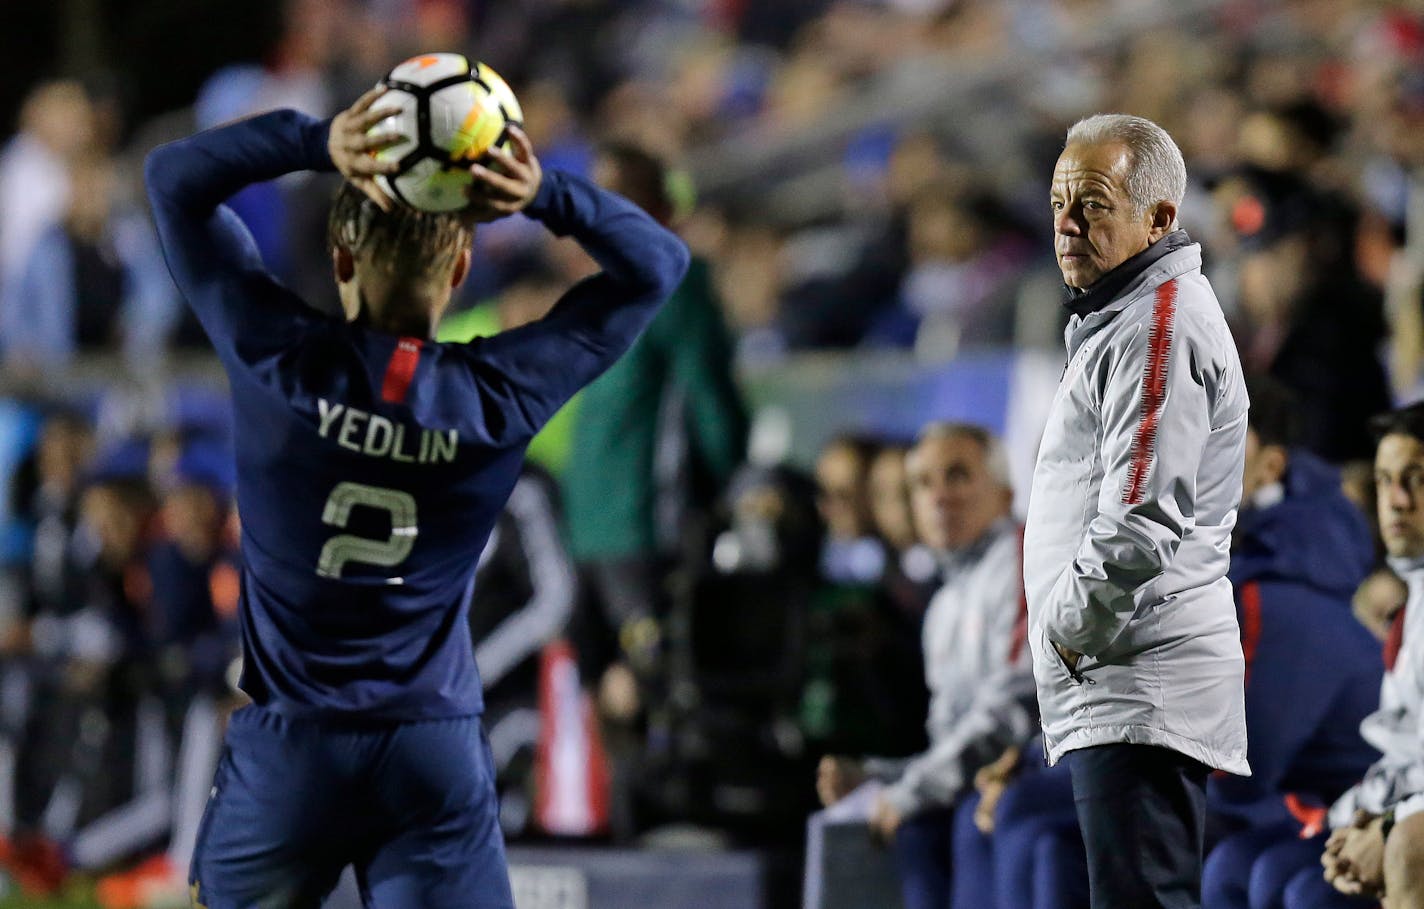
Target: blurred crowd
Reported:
point(858, 175)
point(872, 172)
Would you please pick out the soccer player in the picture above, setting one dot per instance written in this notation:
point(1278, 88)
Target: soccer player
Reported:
point(372, 463)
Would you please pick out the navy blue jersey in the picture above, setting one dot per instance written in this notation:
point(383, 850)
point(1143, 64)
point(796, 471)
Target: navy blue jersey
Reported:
point(370, 467)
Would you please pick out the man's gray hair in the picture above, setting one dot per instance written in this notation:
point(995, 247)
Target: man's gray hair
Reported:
point(995, 458)
point(1158, 172)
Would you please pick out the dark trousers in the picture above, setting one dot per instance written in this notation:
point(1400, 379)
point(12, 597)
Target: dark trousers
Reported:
point(1142, 811)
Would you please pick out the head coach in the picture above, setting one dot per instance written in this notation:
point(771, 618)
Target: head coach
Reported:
point(1137, 653)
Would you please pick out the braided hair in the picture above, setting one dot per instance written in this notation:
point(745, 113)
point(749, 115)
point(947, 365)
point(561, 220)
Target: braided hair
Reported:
point(404, 242)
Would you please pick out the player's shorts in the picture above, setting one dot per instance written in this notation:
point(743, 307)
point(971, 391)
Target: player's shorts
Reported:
point(411, 806)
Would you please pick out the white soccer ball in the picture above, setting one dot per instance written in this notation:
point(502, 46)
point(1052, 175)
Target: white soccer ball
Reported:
point(451, 111)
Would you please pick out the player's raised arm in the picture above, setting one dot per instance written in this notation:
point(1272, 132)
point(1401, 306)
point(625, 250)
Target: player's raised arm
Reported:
point(544, 363)
point(209, 251)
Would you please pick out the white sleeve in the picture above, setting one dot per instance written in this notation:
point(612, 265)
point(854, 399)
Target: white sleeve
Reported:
point(1002, 713)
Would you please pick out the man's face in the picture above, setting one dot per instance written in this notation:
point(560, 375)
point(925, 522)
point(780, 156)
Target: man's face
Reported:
point(953, 496)
point(1096, 227)
point(840, 481)
point(1399, 494)
point(890, 500)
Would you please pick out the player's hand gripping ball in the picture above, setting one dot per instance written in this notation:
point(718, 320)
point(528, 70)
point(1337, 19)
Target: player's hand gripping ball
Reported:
point(447, 113)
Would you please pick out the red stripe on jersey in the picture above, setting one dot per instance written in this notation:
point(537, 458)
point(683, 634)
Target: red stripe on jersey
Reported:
point(1154, 392)
point(401, 370)
point(1250, 623)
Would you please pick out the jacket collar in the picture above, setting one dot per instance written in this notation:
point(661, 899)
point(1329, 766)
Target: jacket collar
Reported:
point(1080, 302)
point(1408, 569)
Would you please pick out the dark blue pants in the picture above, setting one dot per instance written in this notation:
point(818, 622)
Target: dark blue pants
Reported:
point(1142, 811)
point(412, 806)
point(1308, 890)
point(1037, 807)
point(1250, 869)
point(924, 852)
point(973, 885)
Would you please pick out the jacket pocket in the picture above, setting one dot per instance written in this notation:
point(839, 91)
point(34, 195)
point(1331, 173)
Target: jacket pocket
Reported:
point(1051, 653)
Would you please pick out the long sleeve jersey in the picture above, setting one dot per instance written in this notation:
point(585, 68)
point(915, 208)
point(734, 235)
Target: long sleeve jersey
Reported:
point(372, 467)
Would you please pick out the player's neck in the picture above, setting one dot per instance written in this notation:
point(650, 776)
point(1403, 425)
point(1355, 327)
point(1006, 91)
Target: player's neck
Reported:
point(407, 315)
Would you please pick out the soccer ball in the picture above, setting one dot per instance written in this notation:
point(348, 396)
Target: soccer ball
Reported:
point(451, 111)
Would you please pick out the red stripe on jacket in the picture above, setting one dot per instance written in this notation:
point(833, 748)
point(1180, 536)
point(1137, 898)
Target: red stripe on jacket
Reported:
point(1154, 392)
point(1394, 640)
point(1250, 623)
point(401, 370)
point(1020, 638)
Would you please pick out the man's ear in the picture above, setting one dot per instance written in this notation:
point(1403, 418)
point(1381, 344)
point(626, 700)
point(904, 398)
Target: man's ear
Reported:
point(462, 268)
point(1163, 217)
point(343, 264)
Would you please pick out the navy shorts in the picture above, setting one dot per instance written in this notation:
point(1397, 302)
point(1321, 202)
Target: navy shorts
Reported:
point(411, 806)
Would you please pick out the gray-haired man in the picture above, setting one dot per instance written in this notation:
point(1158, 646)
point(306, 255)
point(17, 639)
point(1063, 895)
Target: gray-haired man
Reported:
point(1137, 652)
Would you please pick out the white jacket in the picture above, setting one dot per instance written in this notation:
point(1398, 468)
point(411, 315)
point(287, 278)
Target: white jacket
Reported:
point(1129, 521)
point(978, 672)
point(1397, 727)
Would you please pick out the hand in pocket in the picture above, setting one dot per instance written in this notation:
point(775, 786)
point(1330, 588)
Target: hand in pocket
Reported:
point(1069, 657)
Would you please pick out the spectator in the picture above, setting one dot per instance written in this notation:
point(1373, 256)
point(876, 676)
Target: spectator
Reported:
point(889, 492)
point(1299, 553)
point(94, 282)
point(911, 572)
point(191, 635)
point(864, 688)
point(1309, 320)
point(965, 263)
point(665, 426)
point(61, 456)
point(192, 618)
point(852, 554)
point(80, 753)
point(57, 125)
point(974, 658)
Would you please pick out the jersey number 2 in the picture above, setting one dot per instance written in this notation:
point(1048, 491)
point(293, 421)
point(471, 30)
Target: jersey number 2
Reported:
point(346, 547)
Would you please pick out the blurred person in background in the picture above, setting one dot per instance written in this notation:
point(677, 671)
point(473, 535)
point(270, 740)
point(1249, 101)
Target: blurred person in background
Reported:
point(94, 282)
point(888, 489)
point(194, 614)
point(525, 589)
point(965, 260)
point(852, 553)
point(864, 688)
point(1308, 319)
point(1299, 552)
point(973, 653)
point(57, 126)
point(666, 427)
point(912, 572)
point(1137, 652)
point(193, 640)
point(47, 490)
point(843, 280)
point(82, 751)
point(1377, 830)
